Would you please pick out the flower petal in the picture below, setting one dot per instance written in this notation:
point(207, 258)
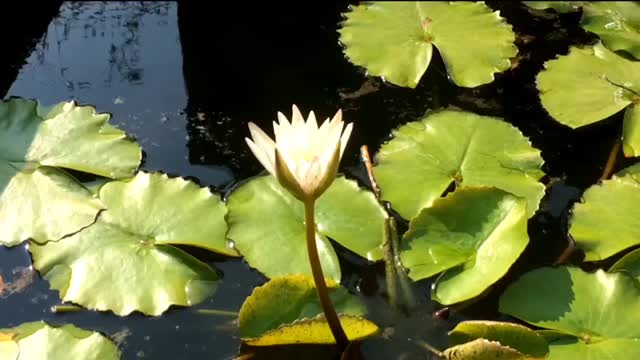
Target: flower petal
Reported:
point(345, 138)
point(312, 124)
point(297, 121)
point(264, 158)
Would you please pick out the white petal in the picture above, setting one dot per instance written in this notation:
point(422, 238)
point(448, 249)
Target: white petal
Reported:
point(261, 138)
point(345, 138)
point(297, 121)
point(311, 122)
point(267, 160)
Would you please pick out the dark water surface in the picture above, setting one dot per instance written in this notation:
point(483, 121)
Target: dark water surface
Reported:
point(186, 78)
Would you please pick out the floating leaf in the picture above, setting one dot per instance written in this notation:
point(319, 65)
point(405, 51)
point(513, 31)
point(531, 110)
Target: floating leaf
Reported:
point(395, 40)
point(630, 263)
point(425, 156)
point(590, 84)
point(617, 23)
point(287, 310)
point(482, 349)
point(605, 222)
point(39, 341)
point(527, 342)
point(125, 261)
point(38, 200)
point(474, 235)
point(598, 312)
point(277, 247)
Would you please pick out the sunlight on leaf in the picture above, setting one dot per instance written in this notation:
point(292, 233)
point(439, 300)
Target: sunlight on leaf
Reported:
point(605, 221)
point(126, 261)
point(38, 340)
point(597, 312)
point(35, 145)
point(517, 337)
point(286, 310)
point(474, 235)
point(426, 156)
point(395, 40)
point(348, 214)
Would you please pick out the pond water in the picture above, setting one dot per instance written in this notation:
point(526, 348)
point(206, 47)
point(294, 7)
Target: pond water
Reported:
point(185, 79)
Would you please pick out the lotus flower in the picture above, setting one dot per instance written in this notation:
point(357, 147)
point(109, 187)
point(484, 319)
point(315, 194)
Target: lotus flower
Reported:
point(304, 158)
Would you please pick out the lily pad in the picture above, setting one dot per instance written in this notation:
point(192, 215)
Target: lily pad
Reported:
point(590, 84)
point(426, 156)
point(349, 215)
point(38, 340)
point(617, 23)
point(126, 261)
point(395, 40)
point(528, 343)
point(597, 312)
point(474, 235)
point(605, 222)
point(38, 200)
point(287, 310)
point(630, 263)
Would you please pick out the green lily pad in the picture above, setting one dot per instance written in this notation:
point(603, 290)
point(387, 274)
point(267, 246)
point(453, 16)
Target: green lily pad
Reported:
point(590, 84)
point(349, 215)
point(126, 262)
point(617, 23)
point(605, 222)
point(630, 263)
point(474, 235)
point(597, 312)
point(37, 199)
point(426, 156)
point(516, 337)
point(395, 40)
point(287, 310)
point(38, 340)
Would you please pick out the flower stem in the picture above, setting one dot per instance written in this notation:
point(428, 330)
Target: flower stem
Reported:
point(318, 277)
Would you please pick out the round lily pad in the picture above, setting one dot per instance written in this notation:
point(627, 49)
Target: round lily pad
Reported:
point(426, 156)
point(483, 349)
point(37, 199)
point(287, 310)
point(605, 221)
point(590, 84)
point(630, 263)
point(598, 313)
point(395, 40)
point(267, 226)
point(39, 341)
point(126, 261)
point(474, 235)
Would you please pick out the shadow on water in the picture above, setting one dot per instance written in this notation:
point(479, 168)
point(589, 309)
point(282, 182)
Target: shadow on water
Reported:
point(185, 78)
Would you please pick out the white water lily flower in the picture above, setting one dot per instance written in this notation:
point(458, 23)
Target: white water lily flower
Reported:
point(304, 158)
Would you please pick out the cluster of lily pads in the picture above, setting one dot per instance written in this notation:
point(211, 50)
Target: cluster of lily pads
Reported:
point(129, 228)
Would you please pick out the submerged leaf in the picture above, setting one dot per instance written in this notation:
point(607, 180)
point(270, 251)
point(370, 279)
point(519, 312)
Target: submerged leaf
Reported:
point(287, 310)
point(37, 199)
point(395, 39)
point(597, 312)
point(474, 235)
point(277, 247)
point(126, 261)
point(39, 341)
point(426, 156)
point(605, 222)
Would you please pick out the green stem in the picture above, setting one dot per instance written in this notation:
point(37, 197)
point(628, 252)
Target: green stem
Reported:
point(389, 266)
point(217, 312)
point(321, 286)
point(65, 308)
